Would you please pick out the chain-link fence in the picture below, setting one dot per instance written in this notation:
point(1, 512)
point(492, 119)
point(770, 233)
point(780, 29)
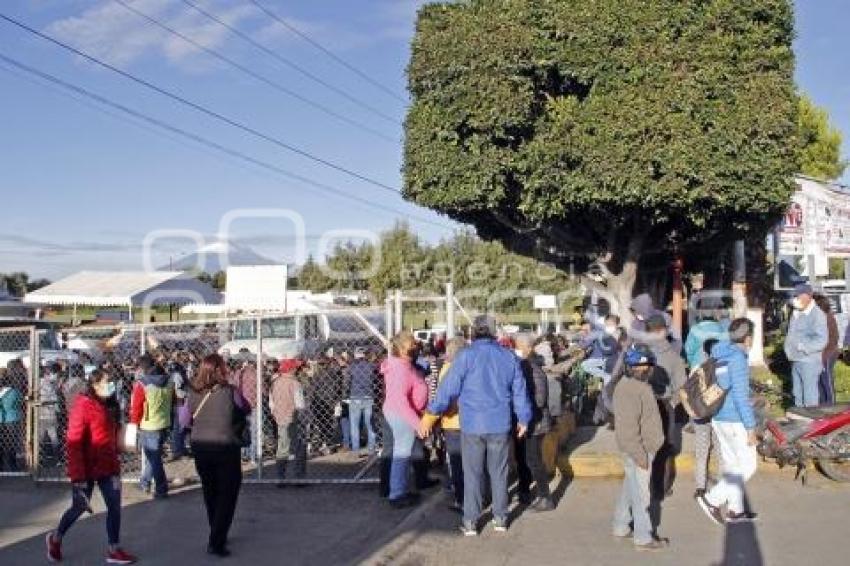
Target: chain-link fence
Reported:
point(311, 381)
point(16, 381)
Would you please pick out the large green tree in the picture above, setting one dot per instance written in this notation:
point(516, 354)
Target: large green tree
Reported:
point(604, 134)
point(820, 143)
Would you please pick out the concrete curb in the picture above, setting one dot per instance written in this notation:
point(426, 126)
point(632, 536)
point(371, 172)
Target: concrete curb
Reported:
point(402, 536)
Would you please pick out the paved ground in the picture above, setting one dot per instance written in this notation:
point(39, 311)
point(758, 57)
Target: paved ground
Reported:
point(293, 526)
point(798, 525)
point(339, 525)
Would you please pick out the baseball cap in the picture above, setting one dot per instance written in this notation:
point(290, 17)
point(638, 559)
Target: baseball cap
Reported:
point(803, 289)
point(289, 365)
point(639, 355)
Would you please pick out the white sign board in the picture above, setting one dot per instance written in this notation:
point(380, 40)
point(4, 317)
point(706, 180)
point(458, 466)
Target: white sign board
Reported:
point(545, 302)
point(817, 223)
point(256, 287)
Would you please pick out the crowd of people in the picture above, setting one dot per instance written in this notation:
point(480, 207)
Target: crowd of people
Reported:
point(477, 408)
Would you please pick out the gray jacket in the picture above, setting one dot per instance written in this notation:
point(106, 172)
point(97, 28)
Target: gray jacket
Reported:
point(807, 337)
point(670, 360)
point(638, 422)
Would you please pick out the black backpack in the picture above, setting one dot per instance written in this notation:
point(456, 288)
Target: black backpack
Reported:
point(701, 396)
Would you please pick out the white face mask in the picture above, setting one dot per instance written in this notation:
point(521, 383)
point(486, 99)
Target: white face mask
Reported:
point(797, 304)
point(519, 353)
point(610, 330)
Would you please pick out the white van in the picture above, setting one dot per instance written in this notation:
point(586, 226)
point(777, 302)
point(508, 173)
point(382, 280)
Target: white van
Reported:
point(306, 334)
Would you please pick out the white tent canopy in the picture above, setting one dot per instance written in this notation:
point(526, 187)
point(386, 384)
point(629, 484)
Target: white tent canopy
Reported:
point(125, 289)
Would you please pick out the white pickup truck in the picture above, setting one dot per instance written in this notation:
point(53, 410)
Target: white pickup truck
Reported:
point(15, 342)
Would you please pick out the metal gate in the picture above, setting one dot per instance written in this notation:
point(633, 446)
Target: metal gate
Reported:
point(325, 347)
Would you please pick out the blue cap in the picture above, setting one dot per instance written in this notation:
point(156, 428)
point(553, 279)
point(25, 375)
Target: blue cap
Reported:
point(803, 289)
point(639, 355)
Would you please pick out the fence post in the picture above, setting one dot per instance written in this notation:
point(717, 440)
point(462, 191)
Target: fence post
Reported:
point(388, 318)
point(32, 440)
point(399, 311)
point(259, 417)
point(450, 311)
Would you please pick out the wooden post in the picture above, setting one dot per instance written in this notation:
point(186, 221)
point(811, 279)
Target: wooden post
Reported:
point(739, 280)
point(678, 296)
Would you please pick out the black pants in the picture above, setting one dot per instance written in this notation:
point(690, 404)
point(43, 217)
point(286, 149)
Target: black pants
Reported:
point(453, 452)
point(220, 470)
point(386, 458)
point(530, 467)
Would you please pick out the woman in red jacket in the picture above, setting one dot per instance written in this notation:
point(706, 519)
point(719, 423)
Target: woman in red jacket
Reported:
point(92, 444)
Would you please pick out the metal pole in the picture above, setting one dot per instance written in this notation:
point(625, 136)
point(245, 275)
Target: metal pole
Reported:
point(388, 317)
point(810, 270)
point(399, 311)
point(450, 311)
point(32, 440)
point(258, 407)
point(143, 343)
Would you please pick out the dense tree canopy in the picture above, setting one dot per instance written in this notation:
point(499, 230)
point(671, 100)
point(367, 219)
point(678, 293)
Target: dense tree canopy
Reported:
point(604, 131)
point(820, 142)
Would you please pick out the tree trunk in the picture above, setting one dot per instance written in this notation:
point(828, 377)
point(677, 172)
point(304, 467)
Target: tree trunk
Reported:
point(619, 286)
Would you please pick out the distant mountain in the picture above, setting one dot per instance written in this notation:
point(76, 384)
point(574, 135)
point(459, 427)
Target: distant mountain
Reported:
point(217, 256)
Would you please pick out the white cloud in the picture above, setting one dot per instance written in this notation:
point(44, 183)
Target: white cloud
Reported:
point(111, 32)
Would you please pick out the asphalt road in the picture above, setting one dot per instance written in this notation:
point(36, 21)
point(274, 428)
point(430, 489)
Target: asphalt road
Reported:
point(797, 526)
point(339, 525)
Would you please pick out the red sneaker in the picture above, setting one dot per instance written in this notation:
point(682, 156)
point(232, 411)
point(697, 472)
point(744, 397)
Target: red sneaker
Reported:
point(120, 557)
point(54, 548)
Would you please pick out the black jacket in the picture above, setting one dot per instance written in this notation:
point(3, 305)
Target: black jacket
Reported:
point(538, 391)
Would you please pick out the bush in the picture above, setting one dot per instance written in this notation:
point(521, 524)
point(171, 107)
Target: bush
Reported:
point(842, 382)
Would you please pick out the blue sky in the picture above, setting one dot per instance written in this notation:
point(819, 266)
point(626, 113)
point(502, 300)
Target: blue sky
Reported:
point(81, 189)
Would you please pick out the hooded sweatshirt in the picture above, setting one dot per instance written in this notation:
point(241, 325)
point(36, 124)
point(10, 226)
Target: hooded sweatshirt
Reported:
point(643, 307)
point(151, 402)
point(406, 392)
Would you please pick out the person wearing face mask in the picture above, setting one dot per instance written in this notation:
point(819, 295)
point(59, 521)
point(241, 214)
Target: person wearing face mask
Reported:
point(735, 427)
point(604, 347)
point(92, 445)
point(805, 342)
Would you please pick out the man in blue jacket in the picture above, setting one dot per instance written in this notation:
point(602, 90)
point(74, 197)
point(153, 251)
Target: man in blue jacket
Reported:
point(735, 427)
point(807, 338)
point(488, 384)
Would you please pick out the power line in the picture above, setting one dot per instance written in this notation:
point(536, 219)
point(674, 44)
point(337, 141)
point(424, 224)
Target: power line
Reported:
point(292, 65)
point(327, 51)
point(202, 109)
point(202, 140)
point(253, 74)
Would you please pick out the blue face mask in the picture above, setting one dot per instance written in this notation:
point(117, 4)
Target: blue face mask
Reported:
point(108, 390)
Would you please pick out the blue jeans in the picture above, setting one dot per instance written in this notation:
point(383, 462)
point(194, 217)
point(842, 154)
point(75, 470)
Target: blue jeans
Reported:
point(153, 470)
point(827, 381)
point(476, 451)
point(633, 503)
point(403, 437)
point(345, 430)
point(358, 408)
point(178, 435)
point(249, 452)
point(110, 490)
point(806, 377)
